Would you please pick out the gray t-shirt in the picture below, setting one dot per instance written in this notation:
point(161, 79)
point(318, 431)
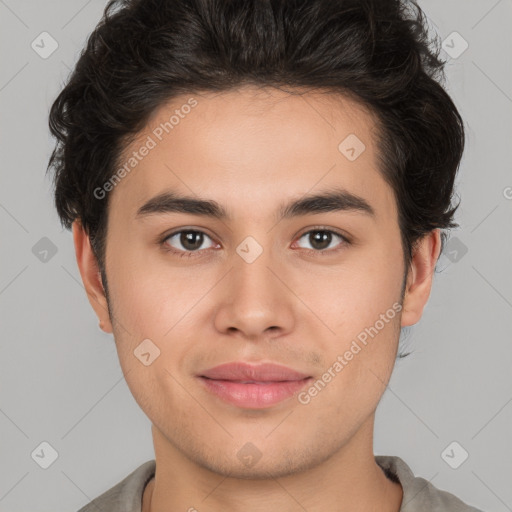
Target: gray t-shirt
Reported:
point(419, 495)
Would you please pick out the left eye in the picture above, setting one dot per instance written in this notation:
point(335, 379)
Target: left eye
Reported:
point(320, 239)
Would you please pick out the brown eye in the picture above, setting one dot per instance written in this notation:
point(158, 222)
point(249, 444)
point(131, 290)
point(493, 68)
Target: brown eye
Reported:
point(186, 240)
point(321, 240)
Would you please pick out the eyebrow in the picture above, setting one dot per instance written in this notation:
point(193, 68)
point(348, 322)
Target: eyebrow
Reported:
point(328, 201)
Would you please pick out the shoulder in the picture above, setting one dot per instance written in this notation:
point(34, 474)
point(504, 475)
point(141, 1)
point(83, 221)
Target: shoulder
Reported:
point(126, 496)
point(419, 495)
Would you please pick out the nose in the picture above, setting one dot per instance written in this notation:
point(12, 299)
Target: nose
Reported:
point(254, 300)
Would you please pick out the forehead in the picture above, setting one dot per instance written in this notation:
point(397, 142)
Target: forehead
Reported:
point(252, 144)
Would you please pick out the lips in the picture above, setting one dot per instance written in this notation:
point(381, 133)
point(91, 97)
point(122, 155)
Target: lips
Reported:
point(245, 372)
point(253, 386)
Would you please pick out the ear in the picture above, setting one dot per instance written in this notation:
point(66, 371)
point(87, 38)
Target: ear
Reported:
point(91, 277)
point(420, 276)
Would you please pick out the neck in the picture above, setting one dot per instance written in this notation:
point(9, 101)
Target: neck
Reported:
point(348, 480)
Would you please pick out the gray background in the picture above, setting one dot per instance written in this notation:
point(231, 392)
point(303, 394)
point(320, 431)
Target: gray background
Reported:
point(60, 377)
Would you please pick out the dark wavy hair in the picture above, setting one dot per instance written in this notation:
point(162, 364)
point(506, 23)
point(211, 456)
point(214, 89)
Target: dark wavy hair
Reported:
point(145, 52)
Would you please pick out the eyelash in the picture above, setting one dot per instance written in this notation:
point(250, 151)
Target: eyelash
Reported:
point(192, 254)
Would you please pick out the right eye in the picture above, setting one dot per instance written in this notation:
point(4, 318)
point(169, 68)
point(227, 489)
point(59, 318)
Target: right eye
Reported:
point(190, 240)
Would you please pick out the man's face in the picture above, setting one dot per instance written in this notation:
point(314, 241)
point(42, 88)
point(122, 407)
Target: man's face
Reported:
point(258, 288)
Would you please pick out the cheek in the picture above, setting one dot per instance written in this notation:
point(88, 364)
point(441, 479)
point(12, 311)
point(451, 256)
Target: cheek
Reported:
point(357, 370)
point(149, 296)
point(362, 308)
point(353, 297)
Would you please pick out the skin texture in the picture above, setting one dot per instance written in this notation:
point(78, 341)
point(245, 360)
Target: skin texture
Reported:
point(251, 151)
